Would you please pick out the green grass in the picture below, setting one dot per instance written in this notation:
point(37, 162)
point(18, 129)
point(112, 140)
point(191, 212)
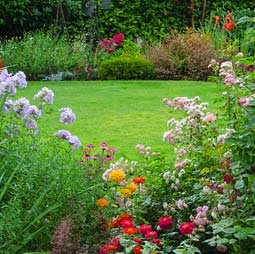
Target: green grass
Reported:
point(121, 113)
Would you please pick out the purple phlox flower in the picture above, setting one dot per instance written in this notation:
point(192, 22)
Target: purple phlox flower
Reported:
point(74, 141)
point(64, 134)
point(20, 79)
point(30, 123)
point(7, 86)
point(4, 75)
point(8, 105)
point(21, 107)
point(34, 111)
point(45, 95)
point(67, 116)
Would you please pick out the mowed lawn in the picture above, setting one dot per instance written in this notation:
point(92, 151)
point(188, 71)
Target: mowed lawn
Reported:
point(121, 113)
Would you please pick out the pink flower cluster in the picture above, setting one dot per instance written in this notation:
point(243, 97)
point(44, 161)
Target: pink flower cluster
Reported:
point(145, 150)
point(201, 217)
point(110, 45)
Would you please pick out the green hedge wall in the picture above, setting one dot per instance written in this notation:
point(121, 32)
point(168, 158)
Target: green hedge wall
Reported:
point(147, 19)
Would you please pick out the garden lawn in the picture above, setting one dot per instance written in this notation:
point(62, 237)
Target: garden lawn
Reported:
point(121, 113)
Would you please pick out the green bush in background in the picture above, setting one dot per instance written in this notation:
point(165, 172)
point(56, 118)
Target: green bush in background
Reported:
point(39, 54)
point(126, 68)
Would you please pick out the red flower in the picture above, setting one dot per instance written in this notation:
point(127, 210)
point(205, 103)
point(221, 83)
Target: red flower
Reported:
point(156, 241)
point(137, 249)
point(165, 222)
point(104, 249)
point(116, 242)
point(187, 228)
point(151, 234)
point(229, 26)
point(139, 179)
point(217, 20)
point(126, 223)
point(78, 70)
point(228, 17)
point(130, 231)
point(228, 178)
point(143, 229)
point(138, 240)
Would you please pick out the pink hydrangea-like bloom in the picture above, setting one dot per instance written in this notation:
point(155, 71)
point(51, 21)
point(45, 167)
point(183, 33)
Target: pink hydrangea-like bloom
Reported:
point(244, 102)
point(209, 118)
point(67, 116)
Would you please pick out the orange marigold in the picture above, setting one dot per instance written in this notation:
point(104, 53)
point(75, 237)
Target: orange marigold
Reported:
point(102, 202)
point(117, 175)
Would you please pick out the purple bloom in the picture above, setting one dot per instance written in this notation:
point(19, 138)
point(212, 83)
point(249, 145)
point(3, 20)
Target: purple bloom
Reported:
point(21, 107)
point(90, 146)
point(45, 95)
point(244, 102)
point(74, 141)
point(20, 79)
point(8, 105)
point(34, 111)
point(30, 123)
point(63, 134)
point(67, 116)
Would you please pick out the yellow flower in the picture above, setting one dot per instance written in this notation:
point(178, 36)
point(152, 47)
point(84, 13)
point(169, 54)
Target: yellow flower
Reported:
point(102, 202)
point(117, 175)
point(125, 193)
point(132, 187)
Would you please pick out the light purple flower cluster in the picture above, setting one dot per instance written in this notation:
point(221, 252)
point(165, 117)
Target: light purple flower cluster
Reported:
point(66, 135)
point(9, 82)
point(45, 95)
point(67, 116)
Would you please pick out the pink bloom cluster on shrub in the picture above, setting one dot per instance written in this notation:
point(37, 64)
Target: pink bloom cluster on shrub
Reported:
point(110, 45)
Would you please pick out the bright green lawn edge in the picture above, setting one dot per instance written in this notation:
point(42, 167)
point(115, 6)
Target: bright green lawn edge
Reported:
point(121, 113)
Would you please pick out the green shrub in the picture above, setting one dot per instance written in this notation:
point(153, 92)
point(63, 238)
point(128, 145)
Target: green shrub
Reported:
point(183, 56)
point(39, 54)
point(126, 68)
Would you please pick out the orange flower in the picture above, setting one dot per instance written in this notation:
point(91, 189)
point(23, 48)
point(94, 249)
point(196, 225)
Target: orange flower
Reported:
point(125, 216)
point(137, 249)
point(228, 17)
point(102, 202)
point(114, 224)
point(129, 231)
point(139, 179)
point(217, 20)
